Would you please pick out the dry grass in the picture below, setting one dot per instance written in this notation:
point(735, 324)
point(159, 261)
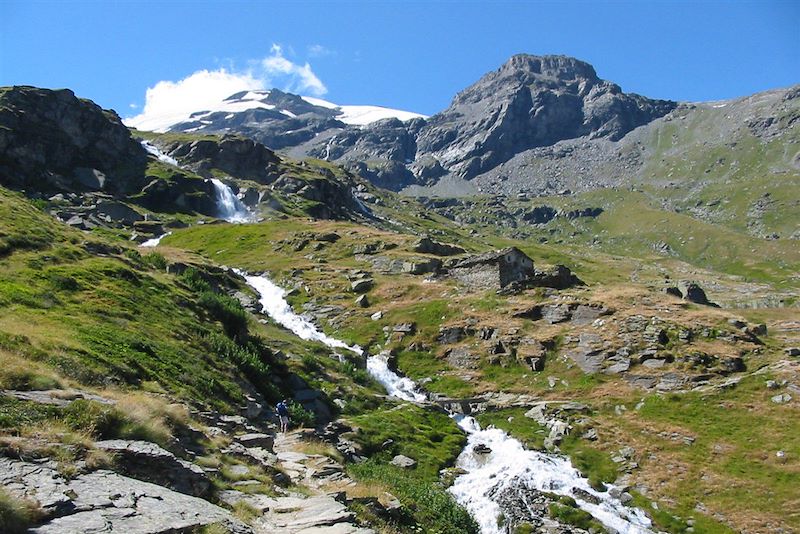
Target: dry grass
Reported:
point(320, 448)
point(16, 514)
point(18, 372)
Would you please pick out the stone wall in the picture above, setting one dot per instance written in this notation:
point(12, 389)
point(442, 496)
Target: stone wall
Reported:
point(481, 276)
point(514, 267)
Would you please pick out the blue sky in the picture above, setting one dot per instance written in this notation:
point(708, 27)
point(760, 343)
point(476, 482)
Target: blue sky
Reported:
point(406, 55)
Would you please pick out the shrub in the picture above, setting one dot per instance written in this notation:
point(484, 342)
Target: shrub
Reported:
point(155, 260)
point(227, 311)
point(16, 515)
point(251, 358)
point(194, 281)
point(301, 417)
point(428, 502)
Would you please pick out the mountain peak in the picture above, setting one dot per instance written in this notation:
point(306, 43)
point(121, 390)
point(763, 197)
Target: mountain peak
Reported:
point(549, 66)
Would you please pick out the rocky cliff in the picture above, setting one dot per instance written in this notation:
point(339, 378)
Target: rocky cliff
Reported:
point(52, 140)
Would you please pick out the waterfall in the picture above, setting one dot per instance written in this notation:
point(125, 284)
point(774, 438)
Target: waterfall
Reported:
point(508, 465)
point(229, 207)
point(154, 241)
point(158, 154)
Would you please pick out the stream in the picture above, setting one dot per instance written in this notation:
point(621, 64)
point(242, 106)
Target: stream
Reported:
point(507, 468)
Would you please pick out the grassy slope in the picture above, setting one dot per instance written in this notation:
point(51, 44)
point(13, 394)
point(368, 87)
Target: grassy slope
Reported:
point(405, 298)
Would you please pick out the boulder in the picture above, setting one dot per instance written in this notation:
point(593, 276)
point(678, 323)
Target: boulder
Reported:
point(103, 501)
point(558, 277)
point(557, 313)
point(694, 293)
point(403, 461)
point(264, 441)
point(451, 334)
point(431, 265)
point(782, 398)
point(426, 245)
point(330, 237)
point(362, 301)
point(462, 358)
point(674, 291)
point(362, 285)
point(149, 462)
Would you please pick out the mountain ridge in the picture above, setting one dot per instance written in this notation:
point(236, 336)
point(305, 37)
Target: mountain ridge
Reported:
point(528, 101)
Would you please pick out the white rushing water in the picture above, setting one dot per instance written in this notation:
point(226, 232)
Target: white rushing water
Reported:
point(272, 298)
point(158, 154)
point(154, 241)
point(509, 465)
point(396, 386)
point(230, 208)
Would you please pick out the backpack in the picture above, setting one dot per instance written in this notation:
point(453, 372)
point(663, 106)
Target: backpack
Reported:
point(282, 409)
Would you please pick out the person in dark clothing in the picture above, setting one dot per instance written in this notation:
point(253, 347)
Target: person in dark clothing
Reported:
point(283, 414)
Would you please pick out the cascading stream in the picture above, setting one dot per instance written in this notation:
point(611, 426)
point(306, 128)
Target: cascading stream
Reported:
point(509, 465)
point(230, 208)
point(151, 243)
point(152, 149)
point(272, 299)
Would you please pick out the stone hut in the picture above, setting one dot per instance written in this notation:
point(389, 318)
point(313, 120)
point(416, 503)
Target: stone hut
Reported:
point(493, 270)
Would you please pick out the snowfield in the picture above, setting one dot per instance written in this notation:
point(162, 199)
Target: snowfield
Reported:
point(353, 115)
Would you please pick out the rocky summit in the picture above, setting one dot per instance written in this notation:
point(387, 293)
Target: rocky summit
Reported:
point(552, 307)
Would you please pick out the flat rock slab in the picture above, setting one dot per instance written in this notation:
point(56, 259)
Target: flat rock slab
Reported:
point(104, 501)
point(296, 514)
point(290, 456)
point(264, 441)
point(341, 528)
point(56, 397)
point(149, 462)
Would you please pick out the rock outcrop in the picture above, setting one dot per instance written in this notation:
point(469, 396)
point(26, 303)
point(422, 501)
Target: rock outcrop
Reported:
point(237, 156)
point(149, 462)
point(103, 501)
point(54, 141)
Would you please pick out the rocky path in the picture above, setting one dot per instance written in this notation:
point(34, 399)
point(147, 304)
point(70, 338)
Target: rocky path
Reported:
point(319, 507)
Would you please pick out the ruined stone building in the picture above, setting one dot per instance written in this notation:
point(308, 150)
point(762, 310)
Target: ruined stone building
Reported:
point(493, 270)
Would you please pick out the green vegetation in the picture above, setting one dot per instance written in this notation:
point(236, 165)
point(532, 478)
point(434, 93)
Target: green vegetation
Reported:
point(566, 511)
point(429, 437)
point(426, 502)
point(513, 421)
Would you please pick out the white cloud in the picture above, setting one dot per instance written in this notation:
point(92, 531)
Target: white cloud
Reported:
point(169, 102)
point(317, 50)
point(297, 78)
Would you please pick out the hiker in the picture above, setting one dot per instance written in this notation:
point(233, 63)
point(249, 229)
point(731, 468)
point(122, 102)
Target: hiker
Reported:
point(283, 414)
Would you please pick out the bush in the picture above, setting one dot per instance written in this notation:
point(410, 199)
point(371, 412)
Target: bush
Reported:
point(16, 515)
point(194, 281)
point(301, 417)
point(252, 359)
point(359, 376)
point(155, 260)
